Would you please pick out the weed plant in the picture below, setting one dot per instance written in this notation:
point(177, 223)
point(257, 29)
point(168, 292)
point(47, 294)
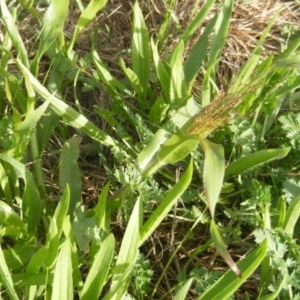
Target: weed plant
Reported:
point(224, 162)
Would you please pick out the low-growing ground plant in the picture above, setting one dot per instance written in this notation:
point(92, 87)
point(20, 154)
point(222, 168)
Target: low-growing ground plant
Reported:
point(178, 161)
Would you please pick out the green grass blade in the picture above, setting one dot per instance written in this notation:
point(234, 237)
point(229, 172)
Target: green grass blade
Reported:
point(221, 30)
point(62, 288)
point(177, 85)
point(69, 173)
point(213, 173)
point(100, 210)
point(6, 277)
point(255, 159)
point(5, 186)
point(140, 49)
point(162, 72)
point(229, 282)
point(181, 294)
point(31, 205)
point(166, 205)
point(18, 256)
point(292, 215)
point(13, 32)
point(220, 246)
point(133, 79)
point(97, 275)
point(45, 128)
point(9, 217)
point(195, 58)
point(128, 251)
point(195, 24)
point(69, 114)
point(86, 17)
point(52, 28)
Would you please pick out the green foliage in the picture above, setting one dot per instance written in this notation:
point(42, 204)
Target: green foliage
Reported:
point(241, 180)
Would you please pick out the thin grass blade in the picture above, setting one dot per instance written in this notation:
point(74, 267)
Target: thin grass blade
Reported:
point(140, 49)
point(69, 173)
point(181, 294)
point(166, 205)
point(128, 251)
point(255, 159)
point(292, 216)
point(97, 275)
point(229, 282)
point(6, 277)
point(86, 17)
point(220, 246)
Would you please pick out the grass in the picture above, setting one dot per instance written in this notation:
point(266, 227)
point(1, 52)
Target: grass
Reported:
point(147, 161)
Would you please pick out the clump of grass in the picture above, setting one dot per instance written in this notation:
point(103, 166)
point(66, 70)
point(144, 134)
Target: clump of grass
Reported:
point(168, 160)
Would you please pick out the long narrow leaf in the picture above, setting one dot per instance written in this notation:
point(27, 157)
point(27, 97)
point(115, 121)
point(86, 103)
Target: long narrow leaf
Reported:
point(6, 277)
point(63, 282)
point(97, 275)
point(140, 49)
point(85, 18)
point(31, 205)
point(128, 251)
point(166, 205)
point(292, 216)
point(229, 282)
point(255, 159)
point(69, 173)
point(213, 173)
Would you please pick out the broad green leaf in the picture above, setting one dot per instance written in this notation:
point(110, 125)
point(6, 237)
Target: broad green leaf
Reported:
point(158, 111)
point(18, 256)
point(13, 32)
point(26, 279)
point(177, 85)
point(52, 28)
point(62, 210)
point(229, 282)
point(52, 244)
point(6, 277)
point(31, 205)
point(9, 217)
point(128, 251)
point(87, 16)
point(62, 288)
point(100, 210)
point(178, 120)
point(166, 204)
point(220, 246)
point(4, 183)
point(140, 49)
point(177, 147)
point(181, 294)
point(98, 272)
point(255, 159)
point(69, 173)
point(292, 215)
point(213, 173)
